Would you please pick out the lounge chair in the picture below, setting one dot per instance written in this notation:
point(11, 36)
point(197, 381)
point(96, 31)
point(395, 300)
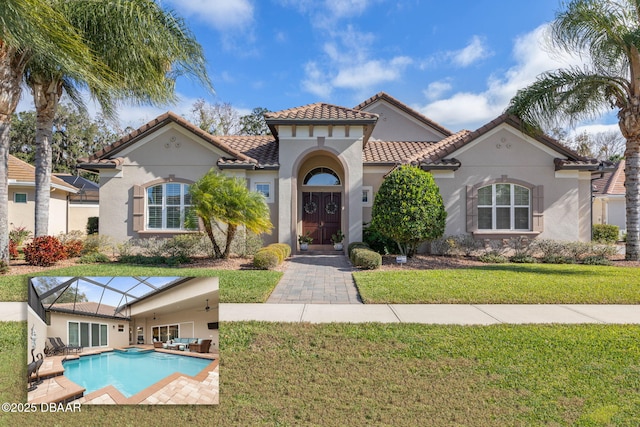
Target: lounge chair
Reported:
point(52, 347)
point(202, 347)
point(76, 348)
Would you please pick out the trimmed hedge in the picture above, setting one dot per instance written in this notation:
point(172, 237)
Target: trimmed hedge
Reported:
point(271, 256)
point(366, 258)
point(356, 245)
point(266, 259)
point(605, 233)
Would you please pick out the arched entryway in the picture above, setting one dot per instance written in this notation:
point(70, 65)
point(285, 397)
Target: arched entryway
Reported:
point(321, 209)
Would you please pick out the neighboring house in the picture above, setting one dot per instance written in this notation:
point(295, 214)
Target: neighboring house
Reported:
point(22, 185)
point(83, 204)
point(123, 311)
point(321, 169)
point(609, 206)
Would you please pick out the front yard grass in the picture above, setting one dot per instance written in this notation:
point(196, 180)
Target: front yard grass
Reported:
point(503, 284)
point(238, 286)
point(389, 374)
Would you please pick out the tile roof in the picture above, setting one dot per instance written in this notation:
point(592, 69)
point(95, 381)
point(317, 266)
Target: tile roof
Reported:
point(404, 107)
point(23, 172)
point(86, 308)
point(320, 112)
point(612, 183)
point(263, 148)
point(394, 151)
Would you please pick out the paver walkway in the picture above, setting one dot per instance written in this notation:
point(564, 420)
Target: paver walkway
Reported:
point(316, 279)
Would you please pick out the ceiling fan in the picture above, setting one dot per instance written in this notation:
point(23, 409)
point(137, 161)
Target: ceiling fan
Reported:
point(207, 308)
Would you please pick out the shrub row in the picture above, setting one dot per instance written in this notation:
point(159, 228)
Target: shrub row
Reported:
point(524, 250)
point(362, 256)
point(271, 256)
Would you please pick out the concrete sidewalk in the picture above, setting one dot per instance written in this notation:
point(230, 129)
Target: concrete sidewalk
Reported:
point(443, 314)
point(450, 314)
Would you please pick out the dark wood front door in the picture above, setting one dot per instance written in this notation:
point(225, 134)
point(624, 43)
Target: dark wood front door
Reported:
point(321, 213)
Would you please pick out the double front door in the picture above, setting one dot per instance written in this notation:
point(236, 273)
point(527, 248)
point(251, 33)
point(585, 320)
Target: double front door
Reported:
point(321, 213)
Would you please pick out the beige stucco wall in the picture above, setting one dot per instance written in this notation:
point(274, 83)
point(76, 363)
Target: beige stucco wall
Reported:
point(59, 328)
point(23, 214)
point(507, 152)
point(395, 125)
point(170, 151)
point(295, 151)
point(37, 326)
point(270, 177)
point(79, 215)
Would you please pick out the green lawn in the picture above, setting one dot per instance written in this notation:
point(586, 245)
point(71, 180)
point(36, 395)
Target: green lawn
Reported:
point(503, 284)
point(389, 374)
point(244, 286)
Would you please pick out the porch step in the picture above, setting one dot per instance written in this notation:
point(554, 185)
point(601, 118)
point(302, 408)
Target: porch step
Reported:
point(320, 252)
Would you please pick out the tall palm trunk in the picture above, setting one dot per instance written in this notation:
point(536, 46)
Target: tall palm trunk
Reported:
point(632, 198)
point(46, 95)
point(12, 63)
point(629, 122)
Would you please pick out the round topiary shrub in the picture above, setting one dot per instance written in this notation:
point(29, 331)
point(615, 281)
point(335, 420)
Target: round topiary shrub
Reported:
point(367, 259)
point(356, 245)
point(44, 251)
point(286, 249)
point(282, 254)
point(266, 259)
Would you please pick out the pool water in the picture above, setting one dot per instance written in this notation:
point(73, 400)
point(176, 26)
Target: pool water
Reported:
point(129, 371)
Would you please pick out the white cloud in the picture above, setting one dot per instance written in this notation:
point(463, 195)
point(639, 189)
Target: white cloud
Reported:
point(223, 15)
point(343, 8)
point(315, 81)
point(371, 73)
point(474, 51)
point(479, 108)
point(436, 89)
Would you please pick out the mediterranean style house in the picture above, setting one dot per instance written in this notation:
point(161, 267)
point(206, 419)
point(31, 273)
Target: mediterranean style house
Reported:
point(320, 169)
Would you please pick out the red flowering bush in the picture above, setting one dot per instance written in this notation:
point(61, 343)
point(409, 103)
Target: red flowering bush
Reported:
point(73, 247)
point(13, 250)
point(44, 251)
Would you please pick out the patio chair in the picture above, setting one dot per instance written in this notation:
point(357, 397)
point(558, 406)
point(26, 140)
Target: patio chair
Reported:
point(76, 348)
point(55, 347)
point(203, 347)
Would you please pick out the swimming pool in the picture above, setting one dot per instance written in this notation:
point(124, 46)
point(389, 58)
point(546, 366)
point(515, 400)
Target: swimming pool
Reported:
point(129, 371)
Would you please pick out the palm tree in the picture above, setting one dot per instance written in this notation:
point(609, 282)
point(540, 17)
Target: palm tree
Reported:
point(605, 31)
point(144, 46)
point(27, 28)
point(221, 200)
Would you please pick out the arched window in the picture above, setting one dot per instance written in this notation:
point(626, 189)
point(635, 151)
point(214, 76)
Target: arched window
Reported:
point(167, 206)
point(321, 176)
point(504, 207)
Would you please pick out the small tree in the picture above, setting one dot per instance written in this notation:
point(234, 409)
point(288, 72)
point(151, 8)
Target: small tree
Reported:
point(226, 203)
point(409, 209)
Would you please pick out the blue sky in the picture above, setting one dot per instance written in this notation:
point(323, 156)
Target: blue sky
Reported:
point(458, 61)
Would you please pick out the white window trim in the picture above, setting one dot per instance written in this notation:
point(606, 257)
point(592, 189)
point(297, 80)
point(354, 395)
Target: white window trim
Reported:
point(512, 207)
point(369, 190)
point(269, 199)
point(26, 198)
point(163, 206)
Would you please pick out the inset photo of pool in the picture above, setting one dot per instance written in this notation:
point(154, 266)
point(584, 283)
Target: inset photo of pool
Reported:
point(123, 340)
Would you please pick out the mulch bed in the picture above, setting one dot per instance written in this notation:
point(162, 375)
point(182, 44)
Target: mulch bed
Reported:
point(418, 262)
